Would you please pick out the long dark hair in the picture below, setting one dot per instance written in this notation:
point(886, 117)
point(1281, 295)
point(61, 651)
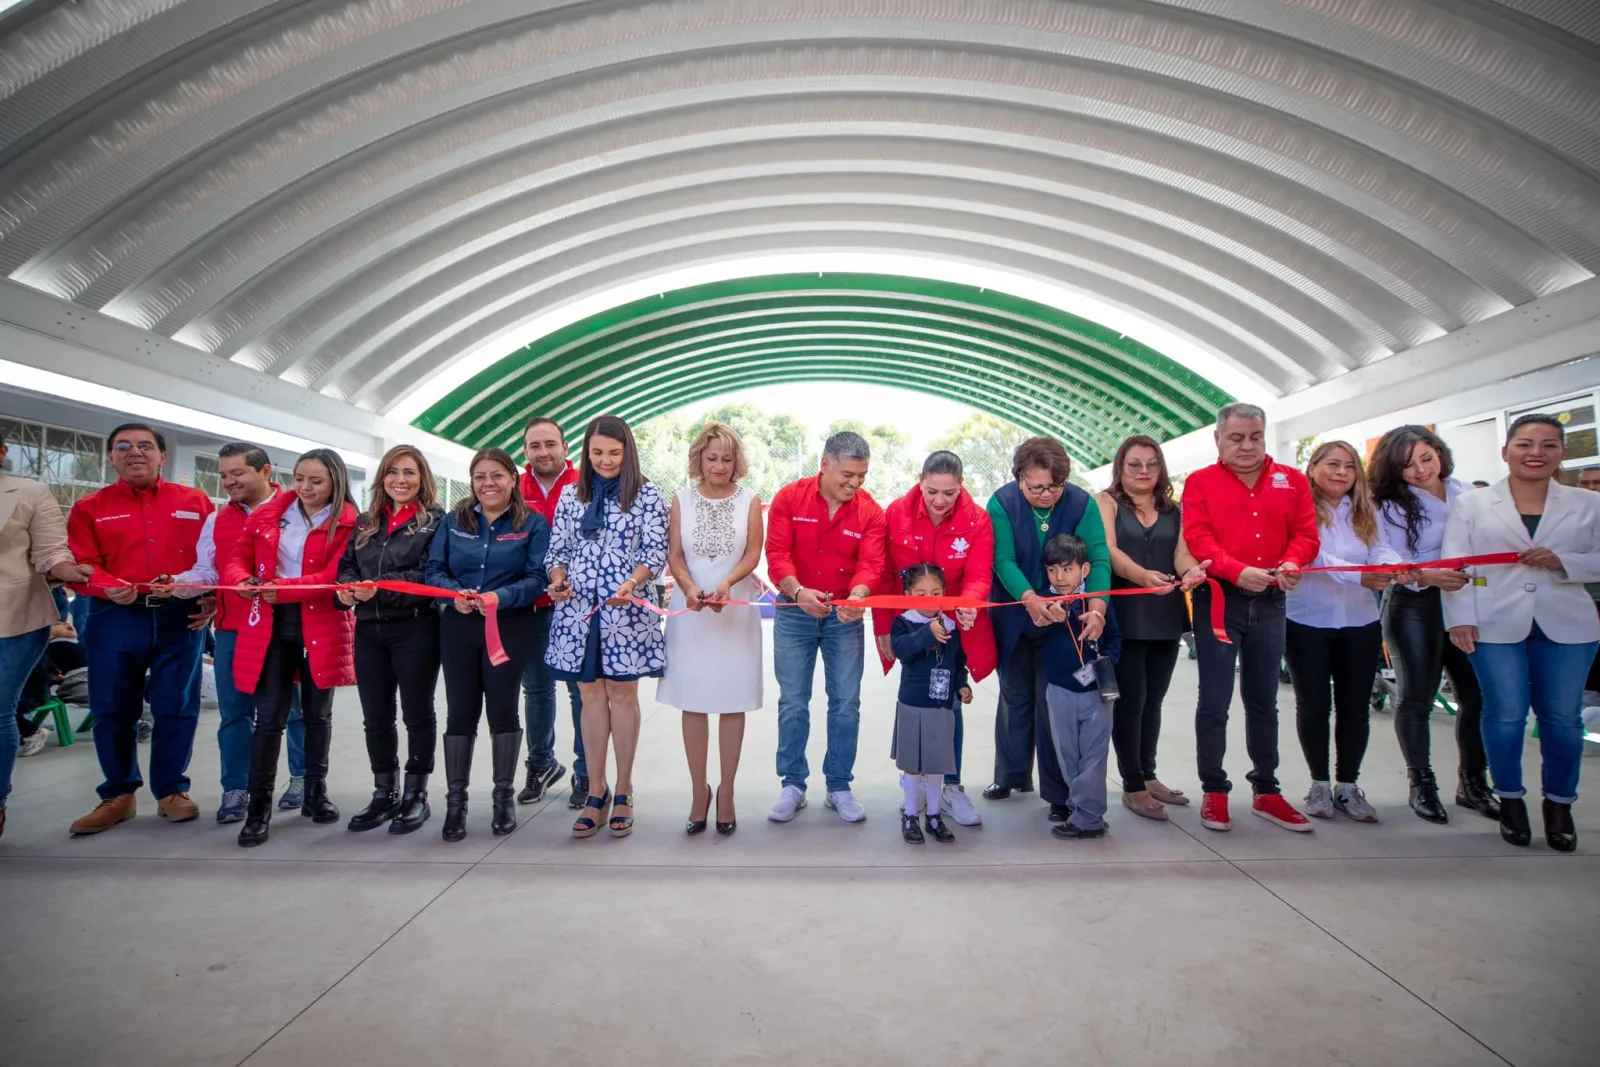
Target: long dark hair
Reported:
point(467, 516)
point(1162, 494)
point(339, 477)
point(632, 477)
point(1388, 473)
point(378, 500)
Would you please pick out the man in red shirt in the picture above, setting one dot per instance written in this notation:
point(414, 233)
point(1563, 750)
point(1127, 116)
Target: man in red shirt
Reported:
point(1255, 521)
point(549, 471)
point(826, 540)
point(137, 529)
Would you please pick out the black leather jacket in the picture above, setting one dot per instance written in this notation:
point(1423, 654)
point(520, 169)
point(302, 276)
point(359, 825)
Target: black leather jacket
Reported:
point(402, 556)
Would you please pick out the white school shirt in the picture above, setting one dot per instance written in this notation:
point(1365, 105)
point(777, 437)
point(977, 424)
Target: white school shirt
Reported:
point(292, 538)
point(1334, 601)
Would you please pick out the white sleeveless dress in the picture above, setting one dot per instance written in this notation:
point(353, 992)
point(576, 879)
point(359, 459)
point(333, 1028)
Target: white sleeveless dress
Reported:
point(714, 659)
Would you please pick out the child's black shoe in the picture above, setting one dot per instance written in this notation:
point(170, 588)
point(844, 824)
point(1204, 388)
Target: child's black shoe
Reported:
point(939, 830)
point(910, 830)
point(1068, 832)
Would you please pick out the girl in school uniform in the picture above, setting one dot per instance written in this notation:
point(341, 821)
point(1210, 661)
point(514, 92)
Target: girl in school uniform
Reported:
point(933, 681)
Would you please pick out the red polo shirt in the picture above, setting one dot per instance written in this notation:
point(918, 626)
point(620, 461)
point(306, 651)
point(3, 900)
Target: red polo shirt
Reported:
point(136, 534)
point(545, 503)
point(830, 555)
point(1237, 526)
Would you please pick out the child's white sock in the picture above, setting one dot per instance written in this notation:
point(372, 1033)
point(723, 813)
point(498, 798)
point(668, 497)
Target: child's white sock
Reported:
point(933, 786)
point(912, 784)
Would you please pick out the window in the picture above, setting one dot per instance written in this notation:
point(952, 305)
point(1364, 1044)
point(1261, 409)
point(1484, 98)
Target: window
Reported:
point(208, 477)
point(71, 463)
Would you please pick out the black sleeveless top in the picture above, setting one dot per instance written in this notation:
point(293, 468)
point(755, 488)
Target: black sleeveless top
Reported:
point(1154, 617)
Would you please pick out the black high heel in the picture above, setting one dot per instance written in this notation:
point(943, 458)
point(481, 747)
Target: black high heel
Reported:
point(725, 828)
point(1514, 821)
point(1559, 831)
point(621, 825)
point(589, 825)
point(698, 826)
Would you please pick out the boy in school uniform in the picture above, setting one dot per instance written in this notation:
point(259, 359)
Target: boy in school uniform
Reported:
point(1080, 714)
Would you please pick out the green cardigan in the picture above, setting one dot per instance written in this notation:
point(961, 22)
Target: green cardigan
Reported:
point(1090, 529)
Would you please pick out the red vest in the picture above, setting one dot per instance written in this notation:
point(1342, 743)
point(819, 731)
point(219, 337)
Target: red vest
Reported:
point(226, 533)
point(330, 634)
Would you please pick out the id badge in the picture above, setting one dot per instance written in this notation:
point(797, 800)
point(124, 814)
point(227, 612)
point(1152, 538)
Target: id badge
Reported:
point(939, 685)
point(1084, 675)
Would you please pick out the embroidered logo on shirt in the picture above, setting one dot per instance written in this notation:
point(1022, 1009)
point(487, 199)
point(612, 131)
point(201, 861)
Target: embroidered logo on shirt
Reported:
point(802, 518)
point(1280, 480)
point(512, 537)
point(959, 546)
point(112, 518)
point(851, 533)
point(186, 515)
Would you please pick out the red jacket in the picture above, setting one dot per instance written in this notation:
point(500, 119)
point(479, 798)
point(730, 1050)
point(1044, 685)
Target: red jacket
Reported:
point(1237, 526)
point(963, 545)
point(829, 555)
point(136, 535)
point(226, 534)
point(545, 503)
point(330, 633)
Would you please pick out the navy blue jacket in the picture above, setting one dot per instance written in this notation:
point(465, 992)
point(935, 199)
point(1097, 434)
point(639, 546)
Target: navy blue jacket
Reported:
point(919, 652)
point(1061, 658)
point(500, 558)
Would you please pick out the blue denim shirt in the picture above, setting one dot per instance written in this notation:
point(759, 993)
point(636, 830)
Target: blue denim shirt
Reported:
point(500, 558)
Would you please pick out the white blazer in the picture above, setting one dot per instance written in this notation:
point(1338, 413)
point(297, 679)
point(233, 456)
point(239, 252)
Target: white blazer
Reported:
point(1512, 598)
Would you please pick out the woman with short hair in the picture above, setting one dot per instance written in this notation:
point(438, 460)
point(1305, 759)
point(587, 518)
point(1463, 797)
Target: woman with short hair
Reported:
point(714, 656)
point(1530, 629)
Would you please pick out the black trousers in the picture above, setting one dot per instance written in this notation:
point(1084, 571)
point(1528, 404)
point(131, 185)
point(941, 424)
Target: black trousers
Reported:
point(1336, 660)
point(1419, 649)
point(287, 660)
point(398, 656)
point(474, 686)
point(1022, 725)
point(1255, 624)
point(1143, 674)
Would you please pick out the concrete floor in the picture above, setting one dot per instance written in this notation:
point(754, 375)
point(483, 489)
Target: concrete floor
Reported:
point(815, 942)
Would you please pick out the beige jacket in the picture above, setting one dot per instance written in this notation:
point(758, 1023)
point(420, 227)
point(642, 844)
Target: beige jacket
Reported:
point(33, 540)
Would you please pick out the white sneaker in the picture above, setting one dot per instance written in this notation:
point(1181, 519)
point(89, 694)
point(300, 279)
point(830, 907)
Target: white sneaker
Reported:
point(844, 802)
point(1353, 802)
point(32, 746)
point(791, 800)
point(953, 801)
point(1319, 802)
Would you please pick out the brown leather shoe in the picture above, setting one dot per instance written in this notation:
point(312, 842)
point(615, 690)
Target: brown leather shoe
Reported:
point(107, 814)
point(177, 807)
point(1142, 803)
point(1165, 795)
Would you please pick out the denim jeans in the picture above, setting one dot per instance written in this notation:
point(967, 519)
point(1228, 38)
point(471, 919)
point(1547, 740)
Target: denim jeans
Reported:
point(236, 721)
point(796, 639)
point(128, 643)
point(1080, 728)
point(539, 702)
point(18, 656)
point(1256, 626)
point(1549, 677)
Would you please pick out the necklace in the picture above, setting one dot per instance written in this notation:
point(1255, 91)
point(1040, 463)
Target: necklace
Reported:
point(1043, 515)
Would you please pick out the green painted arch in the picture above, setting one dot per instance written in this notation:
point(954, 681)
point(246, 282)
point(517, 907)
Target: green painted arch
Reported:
point(1044, 369)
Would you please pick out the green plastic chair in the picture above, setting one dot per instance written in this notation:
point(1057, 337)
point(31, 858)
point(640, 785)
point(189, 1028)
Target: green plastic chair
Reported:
point(57, 708)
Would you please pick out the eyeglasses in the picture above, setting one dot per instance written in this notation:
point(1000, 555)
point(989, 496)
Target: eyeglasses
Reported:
point(1140, 465)
point(129, 446)
point(1041, 490)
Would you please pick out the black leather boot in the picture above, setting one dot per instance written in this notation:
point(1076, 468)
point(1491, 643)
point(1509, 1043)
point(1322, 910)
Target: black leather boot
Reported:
point(457, 776)
point(258, 815)
point(506, 748)
point(385, 802)
point(1514, 821)
point(413, 810)
point(1559, 831)
point(316, 806)
point(1425, 797)
point(1473, 792)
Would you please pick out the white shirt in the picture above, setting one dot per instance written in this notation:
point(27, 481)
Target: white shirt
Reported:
point(1334, 601)
point(294, 528)
point(1430, 531)
point(204, 571)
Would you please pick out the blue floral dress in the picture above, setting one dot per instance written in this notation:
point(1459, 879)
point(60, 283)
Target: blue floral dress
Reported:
point(630, 639)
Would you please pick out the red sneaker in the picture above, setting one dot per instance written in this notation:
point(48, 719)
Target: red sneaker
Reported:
point(1214, 812)
point(1273, 808)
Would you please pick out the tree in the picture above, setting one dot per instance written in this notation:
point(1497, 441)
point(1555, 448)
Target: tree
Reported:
point(894, 468)
point(984, 444)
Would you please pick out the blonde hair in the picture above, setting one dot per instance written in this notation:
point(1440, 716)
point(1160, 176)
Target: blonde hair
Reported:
point(378, 499)
point(717, 431)
point(1363, 513)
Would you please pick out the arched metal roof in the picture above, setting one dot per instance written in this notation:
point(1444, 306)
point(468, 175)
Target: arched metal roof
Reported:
point(1035, 365)
point(353, 195)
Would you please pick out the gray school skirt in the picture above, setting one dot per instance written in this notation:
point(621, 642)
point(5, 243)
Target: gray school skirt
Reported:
point(924, 740)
